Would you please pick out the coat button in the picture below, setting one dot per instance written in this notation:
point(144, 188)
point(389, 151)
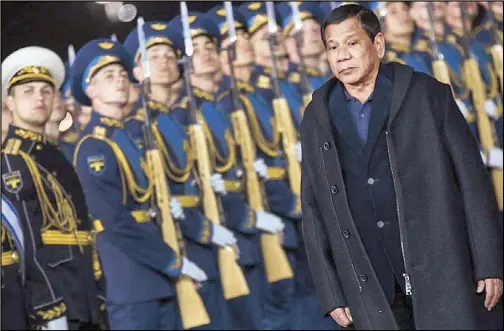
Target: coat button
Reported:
point(363, 278)
point(346, 234)
point(327, 146)
point(370, 181)
point(334, 189)
point(380, 224)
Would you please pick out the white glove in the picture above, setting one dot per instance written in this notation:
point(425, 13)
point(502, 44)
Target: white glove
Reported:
point(60, 323)
point(298, 151)
point(491, 109)
point(261, 168)
point(218, 184)
point(176, 209)
point(494, 159)
point(462, 106)
point(191, 270)
point(222, 236)
point(269, 222)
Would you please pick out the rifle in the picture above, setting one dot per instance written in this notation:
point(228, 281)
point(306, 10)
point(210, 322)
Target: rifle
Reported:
point(275, 260)
point(71, 59)
point(439, 66)
point(282, 112)
point(306, 88)
point(473, 80)
point(233, 280)
point(192, 310)
point(496, 49)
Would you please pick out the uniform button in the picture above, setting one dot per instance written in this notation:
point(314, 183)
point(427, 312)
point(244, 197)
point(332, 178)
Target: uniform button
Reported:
point(327, 146)
point(363, 278)
point(346, 234)
point(370, 181)
point(38, 147)
point(362, 115)
point(334, 189)
point(54, 174)
point(380, 224)
point(15, 257)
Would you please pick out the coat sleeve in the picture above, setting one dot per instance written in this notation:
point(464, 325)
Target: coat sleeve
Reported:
point(325, 277)
point(479, 200)
point(141, 242)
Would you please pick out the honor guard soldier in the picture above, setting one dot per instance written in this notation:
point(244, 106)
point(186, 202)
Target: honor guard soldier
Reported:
point(65, 224)
point(30, 78)
point(118, 190)
point(281, 200)
point(311, 47)
point(399, 28)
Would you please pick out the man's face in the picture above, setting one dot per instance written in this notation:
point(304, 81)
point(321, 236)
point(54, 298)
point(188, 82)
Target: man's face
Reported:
point(244, 52)
point(163, 65)
point(205, 58)
point(351, 54)
point(59, 111)
point(420, 15)
point(260, 44)
point(453, 13)
point(32, 102)
point(110, 86)
point(398, 21)
point(312, 41)
point(6, 119)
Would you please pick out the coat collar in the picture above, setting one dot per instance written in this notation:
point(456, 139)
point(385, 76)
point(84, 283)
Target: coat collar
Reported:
point(320, 109)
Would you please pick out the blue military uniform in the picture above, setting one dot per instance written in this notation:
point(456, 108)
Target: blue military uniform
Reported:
point(139, 267)
point(307, 10)
point(279, 301)
point(173, 142)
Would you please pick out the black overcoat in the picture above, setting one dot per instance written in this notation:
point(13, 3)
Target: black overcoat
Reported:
point(445, 204)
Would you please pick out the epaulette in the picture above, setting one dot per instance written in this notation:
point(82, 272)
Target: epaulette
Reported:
point(452, 39)
point(264, 82)
point(12, 146)
point(294, 77)
point(313, 72)
point(422, 45)
point(70, 137)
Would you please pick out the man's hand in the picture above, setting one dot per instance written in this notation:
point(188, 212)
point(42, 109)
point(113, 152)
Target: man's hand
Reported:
point(342, 316)
point(493, 289)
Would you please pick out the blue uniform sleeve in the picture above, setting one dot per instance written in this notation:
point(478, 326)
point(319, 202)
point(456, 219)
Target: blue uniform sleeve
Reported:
point(196, 227)
point(100, 177)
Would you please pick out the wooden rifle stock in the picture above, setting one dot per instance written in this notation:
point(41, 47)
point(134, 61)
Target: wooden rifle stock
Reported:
point(276, 262)
point(233, 280)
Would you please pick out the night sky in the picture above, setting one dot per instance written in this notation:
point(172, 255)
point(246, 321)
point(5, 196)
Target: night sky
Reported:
point(56, 24)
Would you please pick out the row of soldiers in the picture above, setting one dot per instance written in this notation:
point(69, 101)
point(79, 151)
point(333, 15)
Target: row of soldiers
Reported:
point(171, 199)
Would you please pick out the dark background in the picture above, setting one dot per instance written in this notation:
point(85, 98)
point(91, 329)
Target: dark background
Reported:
point(56, 24)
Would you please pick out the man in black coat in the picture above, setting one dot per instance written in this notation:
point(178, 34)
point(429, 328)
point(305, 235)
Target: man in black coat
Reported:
point(399, 216)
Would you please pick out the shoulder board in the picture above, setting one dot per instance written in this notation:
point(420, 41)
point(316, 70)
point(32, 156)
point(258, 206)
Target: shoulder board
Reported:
point(294, 77)
point(70, 137)
point(264, 82)
point(422, 46)
point(12, 146)
point(451, 39)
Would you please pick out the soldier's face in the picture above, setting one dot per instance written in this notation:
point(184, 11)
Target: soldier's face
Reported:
point(420, 15)
point(110, 86)
point(453, 12)
point(163, 65)
point(6, 119)
point(398, 21)
point(244, 52)
point(32, 103)
point(260, 44)
point(205, 58)
point(351, 54)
